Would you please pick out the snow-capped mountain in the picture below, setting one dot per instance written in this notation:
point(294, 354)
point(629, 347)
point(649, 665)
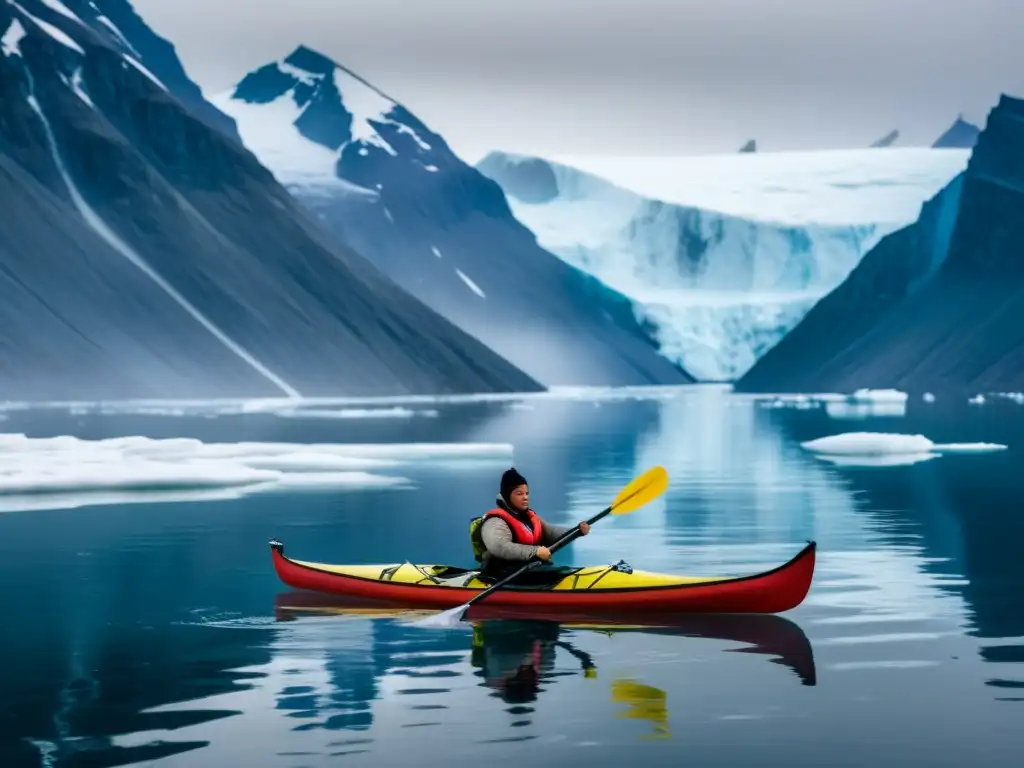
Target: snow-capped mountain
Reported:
point(722, 288)
point(393, 189)
point(146, 253)
point(960, 135)
point(937, 306)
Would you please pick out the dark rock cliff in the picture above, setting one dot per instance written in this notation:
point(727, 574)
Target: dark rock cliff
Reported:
point(937, 306)
point(144, 253)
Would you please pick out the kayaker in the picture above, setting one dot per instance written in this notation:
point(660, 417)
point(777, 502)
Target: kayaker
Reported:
point(512, 534)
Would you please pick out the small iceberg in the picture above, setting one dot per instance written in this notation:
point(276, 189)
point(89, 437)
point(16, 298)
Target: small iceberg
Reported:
point(861, 404)
point(882, 449)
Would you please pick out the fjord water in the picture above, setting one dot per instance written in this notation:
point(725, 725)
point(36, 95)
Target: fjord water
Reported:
point(158, 634)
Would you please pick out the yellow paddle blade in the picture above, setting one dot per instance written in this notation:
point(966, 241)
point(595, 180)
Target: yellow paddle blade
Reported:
point(645, 489)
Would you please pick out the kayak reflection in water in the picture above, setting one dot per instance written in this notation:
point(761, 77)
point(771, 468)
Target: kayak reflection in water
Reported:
point(511, 535)
point(514, 657)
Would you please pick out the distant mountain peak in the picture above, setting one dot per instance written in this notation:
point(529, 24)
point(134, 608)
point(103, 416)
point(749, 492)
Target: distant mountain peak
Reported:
point(960, 135)
point(886, 141)
point(750, 146)
point(309, 96)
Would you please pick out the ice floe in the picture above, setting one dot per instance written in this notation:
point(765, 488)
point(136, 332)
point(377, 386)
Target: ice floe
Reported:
point(71, 472)
point(887, 449)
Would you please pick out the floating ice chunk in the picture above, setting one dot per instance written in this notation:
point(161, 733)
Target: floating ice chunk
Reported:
point(879, 396)
point(239, 406)
point(356, 413)
point(869, 444)
point(866, 410)
point(969, 447)
point(888, 444)
point(977, 400)
point(1017, 397)
point(67, 471)
point(928, 397)
point(435, 251)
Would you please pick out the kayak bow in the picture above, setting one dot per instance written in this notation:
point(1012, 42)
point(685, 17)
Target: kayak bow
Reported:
point(589, 589)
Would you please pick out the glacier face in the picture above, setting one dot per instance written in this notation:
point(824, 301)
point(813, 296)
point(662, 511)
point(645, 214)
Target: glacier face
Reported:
point(759, 239)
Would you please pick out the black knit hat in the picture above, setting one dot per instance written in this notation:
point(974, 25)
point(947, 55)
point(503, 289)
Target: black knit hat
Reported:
point(509, 482)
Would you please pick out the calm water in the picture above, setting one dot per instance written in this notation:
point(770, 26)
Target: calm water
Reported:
point(150, 633)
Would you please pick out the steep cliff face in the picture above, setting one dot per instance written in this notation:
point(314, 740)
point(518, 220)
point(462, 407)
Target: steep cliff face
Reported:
point(144, 253)
point(938, 306)
point(386, 184)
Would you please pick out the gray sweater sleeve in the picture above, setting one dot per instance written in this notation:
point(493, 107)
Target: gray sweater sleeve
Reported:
point(498, 540)
point(553, 533)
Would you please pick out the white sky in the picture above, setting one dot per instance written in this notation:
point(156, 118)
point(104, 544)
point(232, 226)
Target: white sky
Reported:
point(628, 77)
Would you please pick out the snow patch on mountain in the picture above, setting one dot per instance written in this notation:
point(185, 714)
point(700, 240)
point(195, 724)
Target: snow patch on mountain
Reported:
point(55, 32)
point(270, 104)
point(12, 38)
point(722, 286)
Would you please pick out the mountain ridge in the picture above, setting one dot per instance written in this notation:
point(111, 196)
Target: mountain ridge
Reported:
point(153, 256)
point(436, 225)
point(936, 307)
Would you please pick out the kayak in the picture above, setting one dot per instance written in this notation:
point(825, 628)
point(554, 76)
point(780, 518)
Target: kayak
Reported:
point(616, 588)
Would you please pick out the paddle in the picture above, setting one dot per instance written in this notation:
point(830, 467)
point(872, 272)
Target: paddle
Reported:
point(643, 490)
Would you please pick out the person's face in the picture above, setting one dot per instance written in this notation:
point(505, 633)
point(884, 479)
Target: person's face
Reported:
point(520, 497)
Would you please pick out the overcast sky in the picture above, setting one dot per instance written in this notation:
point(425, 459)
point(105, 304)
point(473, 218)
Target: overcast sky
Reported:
point(630, 77)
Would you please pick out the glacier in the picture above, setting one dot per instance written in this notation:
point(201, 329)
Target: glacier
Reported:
point(722, 254)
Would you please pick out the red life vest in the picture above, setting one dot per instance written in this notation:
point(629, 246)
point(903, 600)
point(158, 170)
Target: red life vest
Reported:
point(521, 534)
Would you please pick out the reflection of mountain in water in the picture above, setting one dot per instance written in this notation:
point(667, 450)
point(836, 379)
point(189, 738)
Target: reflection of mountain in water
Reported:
point(965, 508)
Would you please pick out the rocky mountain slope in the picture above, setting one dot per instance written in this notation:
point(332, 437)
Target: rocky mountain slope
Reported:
point(386, 184)
point(145, 253)
point(936, 307)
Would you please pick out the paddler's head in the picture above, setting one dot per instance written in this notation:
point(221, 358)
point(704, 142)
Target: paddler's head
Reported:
point(515, 491)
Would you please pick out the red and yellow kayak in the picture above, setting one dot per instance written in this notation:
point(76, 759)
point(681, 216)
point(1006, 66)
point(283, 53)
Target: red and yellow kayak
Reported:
point(590, 590)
